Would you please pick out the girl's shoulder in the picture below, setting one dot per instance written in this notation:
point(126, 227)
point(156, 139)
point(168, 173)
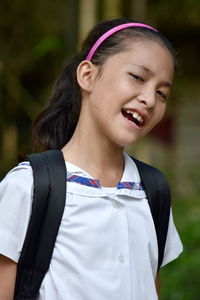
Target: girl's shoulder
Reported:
point(20, 178)
point(23, 168)
point(16, 194)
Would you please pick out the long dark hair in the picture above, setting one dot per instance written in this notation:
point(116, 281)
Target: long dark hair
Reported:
point(55, 125)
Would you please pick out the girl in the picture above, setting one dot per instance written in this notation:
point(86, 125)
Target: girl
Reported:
point(110, 95)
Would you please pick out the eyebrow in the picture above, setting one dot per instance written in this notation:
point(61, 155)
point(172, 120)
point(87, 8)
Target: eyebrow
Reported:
point(167, 83)
point(143, 67)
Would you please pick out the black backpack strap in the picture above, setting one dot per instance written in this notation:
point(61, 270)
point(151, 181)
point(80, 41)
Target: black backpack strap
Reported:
point(158, 194)
point(49, 176)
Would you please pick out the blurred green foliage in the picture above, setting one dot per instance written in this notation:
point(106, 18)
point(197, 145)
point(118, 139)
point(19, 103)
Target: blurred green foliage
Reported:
point(180, 279)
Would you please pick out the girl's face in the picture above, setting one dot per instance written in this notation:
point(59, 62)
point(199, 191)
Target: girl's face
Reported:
point(129, 97)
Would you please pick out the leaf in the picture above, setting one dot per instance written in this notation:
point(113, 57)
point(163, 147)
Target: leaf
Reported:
point(46, 45)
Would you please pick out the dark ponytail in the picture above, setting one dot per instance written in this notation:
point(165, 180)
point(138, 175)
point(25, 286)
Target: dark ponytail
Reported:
point(55, 125)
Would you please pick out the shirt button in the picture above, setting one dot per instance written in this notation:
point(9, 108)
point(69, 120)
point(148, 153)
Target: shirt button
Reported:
point(116, 204)
point(121, 259)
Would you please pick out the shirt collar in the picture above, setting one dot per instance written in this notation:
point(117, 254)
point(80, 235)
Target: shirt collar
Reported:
point(130, 174)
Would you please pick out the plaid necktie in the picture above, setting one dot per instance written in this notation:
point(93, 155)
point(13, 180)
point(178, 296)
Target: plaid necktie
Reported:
point(95, 183)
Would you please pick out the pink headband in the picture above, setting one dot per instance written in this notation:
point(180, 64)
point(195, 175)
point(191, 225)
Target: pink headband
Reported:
point(110, 32)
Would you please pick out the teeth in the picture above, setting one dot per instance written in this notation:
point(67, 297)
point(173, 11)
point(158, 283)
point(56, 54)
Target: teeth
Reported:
point(135, 115)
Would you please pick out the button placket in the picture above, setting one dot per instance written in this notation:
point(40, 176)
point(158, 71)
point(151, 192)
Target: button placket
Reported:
point(116, 203)
point(121, 258)
point(123, 229)
point(123, 226)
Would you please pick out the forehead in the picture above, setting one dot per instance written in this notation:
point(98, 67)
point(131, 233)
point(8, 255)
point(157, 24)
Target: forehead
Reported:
point(151, 54)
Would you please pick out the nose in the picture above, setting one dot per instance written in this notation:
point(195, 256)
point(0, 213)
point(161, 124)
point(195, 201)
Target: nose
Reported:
point(147, 99)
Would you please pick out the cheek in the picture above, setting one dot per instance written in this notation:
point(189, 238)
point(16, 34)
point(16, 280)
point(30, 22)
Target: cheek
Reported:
point(159, 113)
point(162, 110)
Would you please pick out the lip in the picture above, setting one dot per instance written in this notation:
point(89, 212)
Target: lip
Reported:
point(132, 124)
point(143, 114)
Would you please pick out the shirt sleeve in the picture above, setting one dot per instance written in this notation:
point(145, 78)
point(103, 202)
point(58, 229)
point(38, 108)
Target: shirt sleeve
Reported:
point(15, 209)
point(173, 246)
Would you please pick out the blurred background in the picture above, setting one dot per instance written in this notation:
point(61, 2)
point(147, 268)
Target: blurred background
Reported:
point(38, 38)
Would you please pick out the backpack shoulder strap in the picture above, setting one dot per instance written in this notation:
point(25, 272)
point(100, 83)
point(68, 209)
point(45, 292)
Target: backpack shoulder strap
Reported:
point(49, 177)
point(158, 194)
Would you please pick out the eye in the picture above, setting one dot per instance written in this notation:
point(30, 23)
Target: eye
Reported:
point(162, 95)
point(138, 78)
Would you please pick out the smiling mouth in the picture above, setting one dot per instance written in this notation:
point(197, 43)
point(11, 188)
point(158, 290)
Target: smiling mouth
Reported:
point(133, 117)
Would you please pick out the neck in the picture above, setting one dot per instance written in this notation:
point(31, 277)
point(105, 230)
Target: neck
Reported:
point(95, 154)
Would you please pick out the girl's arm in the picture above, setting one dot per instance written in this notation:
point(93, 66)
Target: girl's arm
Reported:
point(157, 285)
point(8, 270)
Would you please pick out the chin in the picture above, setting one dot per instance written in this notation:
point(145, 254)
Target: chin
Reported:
point(124, 139)
point(127, 143)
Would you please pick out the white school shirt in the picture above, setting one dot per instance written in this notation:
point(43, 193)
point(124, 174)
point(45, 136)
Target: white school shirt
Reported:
point(106, 246)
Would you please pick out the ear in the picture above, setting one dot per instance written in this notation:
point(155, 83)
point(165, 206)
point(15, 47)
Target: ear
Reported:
point(85, 75)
